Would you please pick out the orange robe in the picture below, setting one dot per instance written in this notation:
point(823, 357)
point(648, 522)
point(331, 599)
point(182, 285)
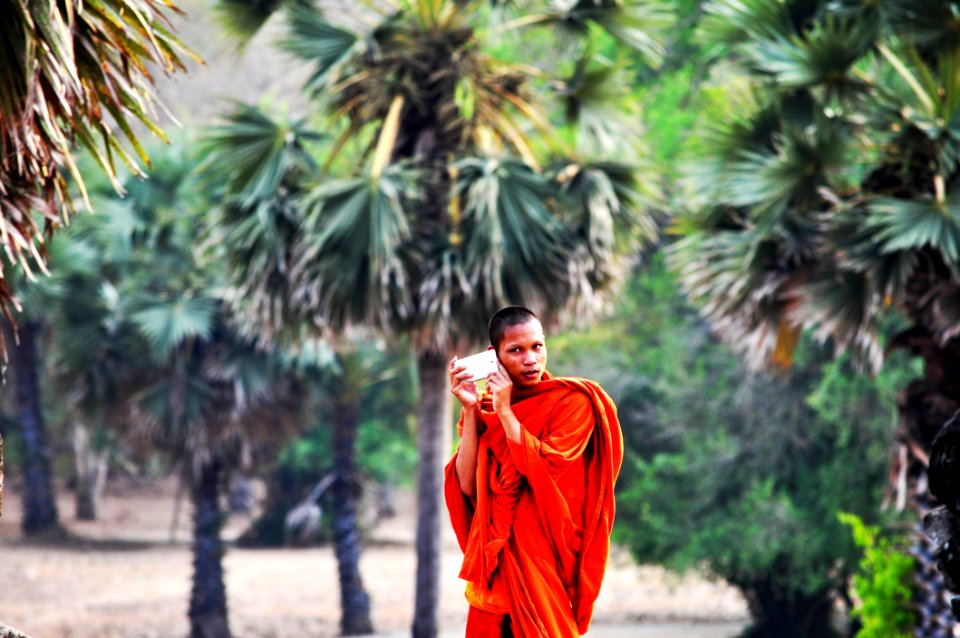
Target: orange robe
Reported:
point(536, 540)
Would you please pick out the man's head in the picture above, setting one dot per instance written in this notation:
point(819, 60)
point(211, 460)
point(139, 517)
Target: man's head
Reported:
point(517, 336)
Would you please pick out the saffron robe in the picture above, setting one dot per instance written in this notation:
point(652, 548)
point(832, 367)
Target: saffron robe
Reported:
point(536, 540)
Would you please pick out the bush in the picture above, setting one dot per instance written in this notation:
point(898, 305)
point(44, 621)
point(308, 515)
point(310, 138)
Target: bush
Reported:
point(738, 474)
point(883, 583)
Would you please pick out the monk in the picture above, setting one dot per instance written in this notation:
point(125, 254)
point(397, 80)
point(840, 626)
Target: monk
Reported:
point(530, 489)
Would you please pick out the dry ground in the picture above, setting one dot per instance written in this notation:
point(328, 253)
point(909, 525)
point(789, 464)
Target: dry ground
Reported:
point(121, 577)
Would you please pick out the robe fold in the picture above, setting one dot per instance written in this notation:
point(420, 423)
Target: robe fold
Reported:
point(536, 540)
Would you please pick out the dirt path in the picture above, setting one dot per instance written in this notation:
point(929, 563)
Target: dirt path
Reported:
point(123, 579)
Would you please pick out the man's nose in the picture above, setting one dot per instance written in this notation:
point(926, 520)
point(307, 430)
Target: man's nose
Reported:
point(528, 358)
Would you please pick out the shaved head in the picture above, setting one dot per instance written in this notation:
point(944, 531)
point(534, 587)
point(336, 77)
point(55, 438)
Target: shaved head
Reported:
point(505, 318)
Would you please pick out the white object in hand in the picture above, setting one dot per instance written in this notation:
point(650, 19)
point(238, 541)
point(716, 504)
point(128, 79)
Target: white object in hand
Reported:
point(480, 365)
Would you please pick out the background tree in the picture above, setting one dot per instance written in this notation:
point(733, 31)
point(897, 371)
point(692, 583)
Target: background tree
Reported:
point(740, 476)
point(199, 390)
point(252, 231)
point(33, 358)
point(450, 215)
point(828, 201)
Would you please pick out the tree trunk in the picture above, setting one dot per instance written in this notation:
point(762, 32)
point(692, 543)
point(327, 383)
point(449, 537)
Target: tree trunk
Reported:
point(432, 434)
point(91, 470)
point(208, 598)
point(354, 601)
point(925, 405)
point(777, 612)
point(39, 502)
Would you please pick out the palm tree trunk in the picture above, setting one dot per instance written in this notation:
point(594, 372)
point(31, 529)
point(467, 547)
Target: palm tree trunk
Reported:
point(91, 470)
point(433, 426)
point(39, 502)
point(354, 601)
point(208, 598)
point(779, 612)
point(925, 405)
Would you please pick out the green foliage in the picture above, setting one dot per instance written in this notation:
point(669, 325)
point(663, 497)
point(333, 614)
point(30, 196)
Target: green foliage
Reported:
point(883, 582)
point(833, 158)
point(386, 452)
point(737, 473)
point(454, 200)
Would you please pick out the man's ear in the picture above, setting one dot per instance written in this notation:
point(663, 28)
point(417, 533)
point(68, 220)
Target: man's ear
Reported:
point(490, 348)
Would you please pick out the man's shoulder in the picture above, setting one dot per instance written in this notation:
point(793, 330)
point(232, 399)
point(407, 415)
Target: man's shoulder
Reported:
point(573, 393)
point(579, 390)
point(580, 386)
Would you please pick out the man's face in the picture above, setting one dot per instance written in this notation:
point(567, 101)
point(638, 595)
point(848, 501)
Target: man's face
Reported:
point(523, 352)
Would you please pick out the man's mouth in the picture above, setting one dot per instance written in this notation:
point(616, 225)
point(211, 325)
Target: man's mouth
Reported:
point(531, 374)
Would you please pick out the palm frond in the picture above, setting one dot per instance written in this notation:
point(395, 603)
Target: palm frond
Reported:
point(252, 154)
point(591, 97)
point(842, 306)
point(860, 249)
point(513, 246)
point(823, 57)
point(167, 324)
point(607, 201)
point(262, 166)
point(743, 289)
point(733, 21)
point(931, 93)
point(244, 18)
point(639, 24)
point(66, 71)
point(255, 246)
point(802, 162)
point(928, 24)
point(315, 40)
point(918, 224)
point(351, 257)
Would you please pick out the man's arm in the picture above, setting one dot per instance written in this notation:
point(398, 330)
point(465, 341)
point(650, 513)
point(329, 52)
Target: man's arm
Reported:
point(467, 453)
point(466, 392)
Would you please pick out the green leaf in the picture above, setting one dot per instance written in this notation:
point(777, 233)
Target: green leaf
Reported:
point(315, 40)
point(917, 224)
point(513, 246)
point(244, 18)
point(732, 21)
point(256, 154)
point(167, 324)
point(824, 56)
point(351, 260)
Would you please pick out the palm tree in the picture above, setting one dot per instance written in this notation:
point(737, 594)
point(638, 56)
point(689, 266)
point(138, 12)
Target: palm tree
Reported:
point(40, 515)
point(96, 352)
point(359, 367)
point(829, 199)
point(30, 362)
point(192, 386)
point(71, 74)
point(444, 209)
point(252, 233)
point(217, 405)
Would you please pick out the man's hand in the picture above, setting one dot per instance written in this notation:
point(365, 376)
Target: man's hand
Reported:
point(461, 386)
point(501, 386)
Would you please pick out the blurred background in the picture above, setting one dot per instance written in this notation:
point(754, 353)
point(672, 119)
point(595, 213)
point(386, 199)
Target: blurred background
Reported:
point(242, 240)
